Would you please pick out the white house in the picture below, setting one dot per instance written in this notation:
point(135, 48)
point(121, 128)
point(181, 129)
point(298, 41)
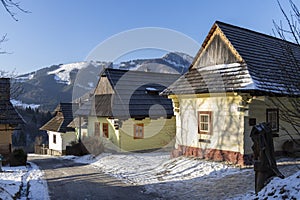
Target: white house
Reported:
point(239, 78)
point(60, 134)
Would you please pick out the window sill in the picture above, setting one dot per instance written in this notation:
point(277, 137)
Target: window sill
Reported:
point(204, 141)
point(138, 138)
point(205, 133)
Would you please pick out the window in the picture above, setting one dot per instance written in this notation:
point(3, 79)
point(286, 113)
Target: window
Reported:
point(205, 122)
point(273, 119)
point(105, 129)
point(138, 131)
point(54, 139)
point(97, 129)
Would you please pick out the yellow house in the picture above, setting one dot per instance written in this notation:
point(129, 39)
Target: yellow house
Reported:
point(9, 118)
point(127, 113)
point(239, 78)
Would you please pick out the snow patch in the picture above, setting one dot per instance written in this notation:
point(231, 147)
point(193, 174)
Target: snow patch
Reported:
point(62, 74)
point(38, 185)
point(288, 188)
point(91, 84)
point(174, 63)
point(189, 178)
point(152, 168)
point(23, 78)
point(12, 179)
point(20, 104)
point(151, 89)
point(232, 69)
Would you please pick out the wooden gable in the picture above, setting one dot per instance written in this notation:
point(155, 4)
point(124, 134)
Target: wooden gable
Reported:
point(243, 61)
point(103, 86)
point(215, 50)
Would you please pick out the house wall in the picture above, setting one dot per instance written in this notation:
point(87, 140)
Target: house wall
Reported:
point(67, 138)
point(62, 140)
point(111, 130)
point(227, 130)
point(110, 143)
point(158, 133)
point(5, 134)
point(257, 110)
point(5, 139)
point(84, 132)
point(55, 146)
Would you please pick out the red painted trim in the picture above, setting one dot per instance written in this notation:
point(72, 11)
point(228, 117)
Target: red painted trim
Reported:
point(135, 134)
point(213, 154)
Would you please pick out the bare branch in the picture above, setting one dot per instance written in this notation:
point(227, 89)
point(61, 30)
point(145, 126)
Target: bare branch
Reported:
point(9, 5)
point(3, 39)
point(16, 88)
point(288, 102)
point(289, 21)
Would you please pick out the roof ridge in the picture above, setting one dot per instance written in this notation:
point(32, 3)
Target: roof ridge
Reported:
point(252, 31)
point(137, 71)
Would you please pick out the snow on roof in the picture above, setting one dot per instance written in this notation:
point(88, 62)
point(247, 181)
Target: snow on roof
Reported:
point(269, 65)
point(152, 89)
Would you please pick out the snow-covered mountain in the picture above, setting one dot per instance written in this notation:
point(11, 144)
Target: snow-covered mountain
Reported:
point(49, 86)
point(64, 73)
point(173, 62)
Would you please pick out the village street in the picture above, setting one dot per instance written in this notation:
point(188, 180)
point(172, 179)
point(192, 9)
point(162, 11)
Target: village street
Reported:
point(69, 180)
point(112, 176)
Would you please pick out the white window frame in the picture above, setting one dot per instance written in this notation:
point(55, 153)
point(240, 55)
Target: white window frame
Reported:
point(209, 122)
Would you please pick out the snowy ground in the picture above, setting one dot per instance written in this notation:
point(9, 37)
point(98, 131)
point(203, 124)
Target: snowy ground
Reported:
point(23, 183)
point(190, 177)
point(180, 178)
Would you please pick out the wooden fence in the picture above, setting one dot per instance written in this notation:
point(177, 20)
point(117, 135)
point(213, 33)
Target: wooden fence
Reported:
point(41, 149)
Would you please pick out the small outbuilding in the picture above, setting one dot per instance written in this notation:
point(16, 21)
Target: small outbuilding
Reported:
point(60, 134)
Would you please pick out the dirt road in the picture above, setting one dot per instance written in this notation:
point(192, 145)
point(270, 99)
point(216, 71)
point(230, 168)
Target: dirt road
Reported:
point(69, 180)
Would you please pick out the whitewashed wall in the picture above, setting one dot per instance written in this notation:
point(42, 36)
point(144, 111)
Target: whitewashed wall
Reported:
point(55, 146)
point(228, 122)
point(257, 110)
point(62, 140)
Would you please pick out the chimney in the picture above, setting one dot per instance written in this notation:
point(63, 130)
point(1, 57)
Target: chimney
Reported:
point(4, 89)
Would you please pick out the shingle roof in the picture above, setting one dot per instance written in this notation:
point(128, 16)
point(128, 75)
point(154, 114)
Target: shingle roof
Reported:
point(8, 114)
point(135, 95)
point(267, 66)
point(85, 108)
point(63, 117)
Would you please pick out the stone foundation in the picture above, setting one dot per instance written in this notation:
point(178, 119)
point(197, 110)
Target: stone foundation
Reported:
point(213, 154)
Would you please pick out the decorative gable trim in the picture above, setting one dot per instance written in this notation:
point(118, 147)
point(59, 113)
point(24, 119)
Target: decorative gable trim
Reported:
point(215, 31)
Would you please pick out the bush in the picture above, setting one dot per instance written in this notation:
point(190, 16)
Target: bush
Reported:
point(77, 149)
point(18, 158)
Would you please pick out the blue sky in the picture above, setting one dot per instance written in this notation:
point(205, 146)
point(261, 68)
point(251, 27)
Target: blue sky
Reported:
point(64, 31)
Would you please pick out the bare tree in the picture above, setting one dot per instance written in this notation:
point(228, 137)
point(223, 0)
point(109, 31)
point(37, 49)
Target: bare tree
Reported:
point(288, 30)
point(3, 39)
point(16, 88)
point(10, 6)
